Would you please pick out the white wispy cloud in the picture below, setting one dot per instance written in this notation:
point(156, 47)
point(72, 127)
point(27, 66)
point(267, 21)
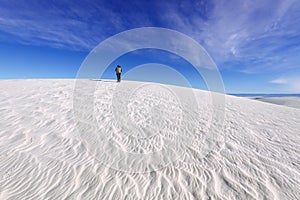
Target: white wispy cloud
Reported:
point(288, 83)
point(255, 35)
point(250, 36)
point(279, 81)
point(295, 85)
point(68, 25)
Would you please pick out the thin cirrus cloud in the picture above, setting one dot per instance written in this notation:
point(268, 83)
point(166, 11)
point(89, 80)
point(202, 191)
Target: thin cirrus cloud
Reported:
point(253, 34)
point(288, 83)
point(75, 26)
point(279, 81)
point(35, 24)
point(250, 37)
point(229, 29)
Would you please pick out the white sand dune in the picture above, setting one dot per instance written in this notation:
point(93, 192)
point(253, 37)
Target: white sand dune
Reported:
point(44, 153)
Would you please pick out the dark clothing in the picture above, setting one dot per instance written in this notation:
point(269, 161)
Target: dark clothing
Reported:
point(118, 72)
point(119, 77)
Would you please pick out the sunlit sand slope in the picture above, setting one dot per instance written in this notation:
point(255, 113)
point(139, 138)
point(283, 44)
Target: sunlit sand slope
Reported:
point(44, 153)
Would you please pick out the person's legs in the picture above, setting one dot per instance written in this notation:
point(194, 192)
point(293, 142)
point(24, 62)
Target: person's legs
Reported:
point(119, 77)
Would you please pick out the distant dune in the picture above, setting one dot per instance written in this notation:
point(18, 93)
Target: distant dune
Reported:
point(49, 150)
point(290, 100)
point(293, 102)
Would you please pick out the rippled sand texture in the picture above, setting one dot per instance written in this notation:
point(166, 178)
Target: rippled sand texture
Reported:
point(48, 152)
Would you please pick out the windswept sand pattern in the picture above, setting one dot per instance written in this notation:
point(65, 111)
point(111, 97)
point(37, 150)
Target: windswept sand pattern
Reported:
point(42, 155)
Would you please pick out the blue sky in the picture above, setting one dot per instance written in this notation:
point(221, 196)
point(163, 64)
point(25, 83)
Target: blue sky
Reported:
point(255, 44)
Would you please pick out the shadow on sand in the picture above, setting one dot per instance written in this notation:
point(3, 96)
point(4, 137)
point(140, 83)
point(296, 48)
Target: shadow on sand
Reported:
point(104, 80)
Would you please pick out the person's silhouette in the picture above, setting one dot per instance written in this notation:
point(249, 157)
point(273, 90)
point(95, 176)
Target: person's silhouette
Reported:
point(118, 72)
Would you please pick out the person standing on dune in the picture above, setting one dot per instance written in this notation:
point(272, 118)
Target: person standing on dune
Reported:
point(118, 72)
